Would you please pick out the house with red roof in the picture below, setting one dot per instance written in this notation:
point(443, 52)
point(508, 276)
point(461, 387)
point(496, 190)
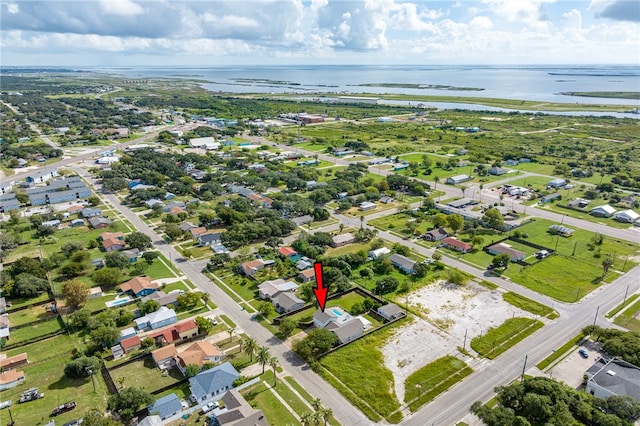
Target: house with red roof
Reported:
point(112, 241)
point(457, 245)
point(177, 332)
point(13, 362)
point(130, 344)
point(139, 287)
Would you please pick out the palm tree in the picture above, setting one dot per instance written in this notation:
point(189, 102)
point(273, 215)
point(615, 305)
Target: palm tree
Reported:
point(317, 417)
point(327, 413)
point(250, 346)
point(230, 330)
point(306, 418)
point(273, 363)
point(263, 356)
point(316, 404)
point(361, 221)
point(435, 182)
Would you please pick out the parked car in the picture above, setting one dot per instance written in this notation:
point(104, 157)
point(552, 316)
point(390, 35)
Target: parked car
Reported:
point(5, 404)
point(74, 422)
point(63, 408)
point(31, 395)
point(213, 320)
point(583, 353)
point(210, 406)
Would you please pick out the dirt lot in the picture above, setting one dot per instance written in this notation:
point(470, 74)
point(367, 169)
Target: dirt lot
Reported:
point(453, 309)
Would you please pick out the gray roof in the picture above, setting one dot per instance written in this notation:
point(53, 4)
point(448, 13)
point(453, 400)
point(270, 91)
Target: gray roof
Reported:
point(151, 421)
point(302, 220)
point(390, 309)
point(208, 239)
point(462, 203)
point(240, 413)
point(155, 317)
point(162, 298)
point(348, 329)
point(87, 211)
point(212, 380)
point(618, 377)
point(400, 260)
point(287, 300)
point(344, 238)
point(95, 221)
point(166, 406)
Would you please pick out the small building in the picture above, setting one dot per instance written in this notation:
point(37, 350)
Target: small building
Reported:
point(386, 200)
point(497, 171)
point(213, 382)
point(13, 362)
point(390, 311)
point(130, 344)
point(502, 248)
point(238, 412)
point(187, 226)
point(578, 203)
point(132, 254)
point(287, 302)
point(251, 267)
point(436, 234)
point(10, 379)
point(99, 222)
point(549, 198)
point(95, 292)
point(377, 253)
point(403, 263)
point(557, 183)
point(367, 205)
point(126, 333)
point(628, 201)
point(289, 253)
point(166, 407)
point(627, 216)
point(160, 318)
point(343, 240)
point(341, 152)
point(139, 287)
point(307, 275)
point(4, 326)
point(302, 220)
point(456, 180)
point(457, 245)
point(462, 203)
point(603, 211)
point(165, 357)
point(98, 263)
point(561, 230)
point(613, 377)
point(209, 239)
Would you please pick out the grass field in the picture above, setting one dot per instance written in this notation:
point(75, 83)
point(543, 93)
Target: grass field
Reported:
point(529, 305)
point(623, 305)
point(629, 318)
point(499, 339)
point(259, 396)
point(145, 371)
point(371, 382)
point(433, 379)
point(35, 330)
point(33, 313)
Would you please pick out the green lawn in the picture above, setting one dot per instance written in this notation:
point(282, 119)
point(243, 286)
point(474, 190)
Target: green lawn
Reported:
point(145, 371)
point(560, 352)
point(33, 313)
point(433, 379)
point(371, 381)
point(629, 318)
point(499, 339)
point(32, 331)
point(258, 396)
point(623, 305)
point(24, 301)
point(295, 385)
point(528, 305)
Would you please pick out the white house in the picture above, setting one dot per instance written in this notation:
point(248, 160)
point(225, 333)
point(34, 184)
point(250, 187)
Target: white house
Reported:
point(382, 251)
point(367, 205)
point(627, 216)
point(11, 379)
point(208, 143)
point(455, 180)
point(603, 211)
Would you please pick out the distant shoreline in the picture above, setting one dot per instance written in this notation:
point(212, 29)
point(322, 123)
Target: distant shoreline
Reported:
point(609, 95)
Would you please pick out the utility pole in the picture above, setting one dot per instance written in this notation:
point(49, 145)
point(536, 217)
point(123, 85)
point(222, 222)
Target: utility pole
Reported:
point(464, 343)
point(524, 367)
point(625, 295)
point(596, 317)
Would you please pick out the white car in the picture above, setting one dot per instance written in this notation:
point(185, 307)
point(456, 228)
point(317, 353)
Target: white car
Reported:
point(213, 320)
point(5, 404)
point(210, 406)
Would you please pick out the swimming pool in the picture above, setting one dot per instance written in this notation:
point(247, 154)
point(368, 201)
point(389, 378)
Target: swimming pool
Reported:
point(337, 312)
point(119, 302)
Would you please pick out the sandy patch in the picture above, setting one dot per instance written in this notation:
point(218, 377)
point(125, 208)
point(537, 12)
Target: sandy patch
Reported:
point(494, 119)
point(454, 310)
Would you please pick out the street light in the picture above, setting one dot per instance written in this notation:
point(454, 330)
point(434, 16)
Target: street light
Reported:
point(90, 371)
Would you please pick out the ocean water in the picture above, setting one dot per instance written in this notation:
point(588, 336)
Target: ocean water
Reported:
point(541, 83)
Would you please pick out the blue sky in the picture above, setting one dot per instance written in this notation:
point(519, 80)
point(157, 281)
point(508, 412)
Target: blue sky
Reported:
point(176, 32)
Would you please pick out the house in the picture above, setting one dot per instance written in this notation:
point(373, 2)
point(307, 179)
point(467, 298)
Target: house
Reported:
point(549, 198)
point(304, 263)
point(377, 253)
point(166, 407)
point(339, 322)
point(343, 240)
point(4, 326)
point(181, 331)
point(209, 239)
point(270, 289)
point(502, 248)
point(41, 176)
point(132, 254)
point(77, 222)
point(289, 253)
point(251, 267)
point(334, 314)
point(497, 171)
point(307, 275)
point(99, 222)
point(198, 231)
point(348, 331)
point(455, 180)
point(390, 311)
point(153, 202)
point(462, 203)
point(367, 205)
point(212, 382)
point(301, 220)
point(151, 421)
point(557, 183)
point(578, 203)
point(386, 200)
point(126, 333)
point(628, 201)
point(139, 287)
point(341, 152)
point(160, 318)
point(112, 241)
point(10, 379)
point(435, 234)
point(130, 344)
point(613, 377)
point(187, 226)
point(3, 305)
point(208, 143)
point(403, 263)
point(287, 302)
point(174, 205)
point(627, 216)
point(561, 230)
point(165, 357)
point(88, 212)
point(13, 362)
point(457, 245)
point(199, 353)
point(162, 298)
point(238, 412)
point(95, 292)
point(603, 211)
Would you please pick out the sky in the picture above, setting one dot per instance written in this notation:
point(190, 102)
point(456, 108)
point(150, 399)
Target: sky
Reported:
point(112, 33)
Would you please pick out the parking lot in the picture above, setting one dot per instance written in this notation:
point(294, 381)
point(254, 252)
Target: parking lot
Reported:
point(571, 369)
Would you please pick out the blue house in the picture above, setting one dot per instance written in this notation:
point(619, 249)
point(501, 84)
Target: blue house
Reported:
point(134, 182)
point(132, 254)
point(403, 263)
point(166, 406)
point(160, 318)
point(212, 382)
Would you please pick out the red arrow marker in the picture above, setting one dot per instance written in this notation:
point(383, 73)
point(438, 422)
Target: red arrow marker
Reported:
point(320, 291)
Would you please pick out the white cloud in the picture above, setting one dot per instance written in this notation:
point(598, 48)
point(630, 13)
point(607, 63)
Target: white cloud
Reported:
point(481, 23)
point(529, 12)
point(13, 8)
point(121, 7)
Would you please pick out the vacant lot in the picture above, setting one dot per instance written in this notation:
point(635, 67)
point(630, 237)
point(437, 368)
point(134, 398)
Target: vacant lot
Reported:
point(145, 371)
point(630, 317)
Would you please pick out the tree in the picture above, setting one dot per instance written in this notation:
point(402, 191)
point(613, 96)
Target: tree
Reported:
point(477, 241)
point(250, 346)
point(204, 325)
point(454, 276)
point(317, 342)
point(273, 363)
point(188, 299)
point(173, 231)
point(107, 277)
point(439, 220)
point(273, 242)
point(150, 256)
point(27, 265)
point(501, 260)
point(263, 356)
point(493, 219)
point(286, 327)
point(80, 367)
point(76, 292)
point(97, 418)
point(607, 263)
point(138, 240)
point(128, 401)
point(316, 403)
point(218, 260)
point(421, 270)
point(104, 336)
point(149, 306)
point(265, 308)
point(455, 222)
point(386, 285)
point(27, 285)
point(71, 247)
point(80, 318)
point(116, 259)
point(191, 370)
